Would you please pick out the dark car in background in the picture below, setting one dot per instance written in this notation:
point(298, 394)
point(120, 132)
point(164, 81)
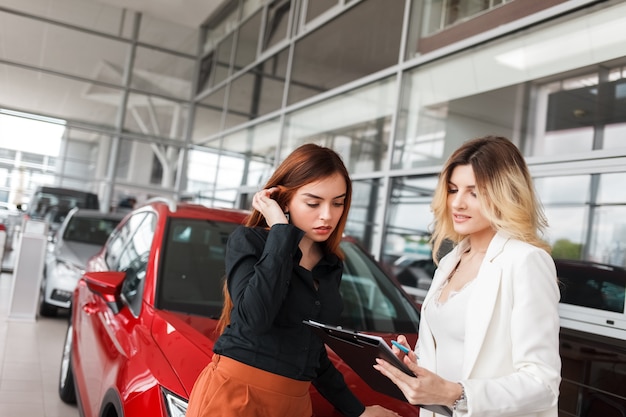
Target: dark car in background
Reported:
point(143, 323)
point(592, 336)
point(593, 339)
point(52, 204)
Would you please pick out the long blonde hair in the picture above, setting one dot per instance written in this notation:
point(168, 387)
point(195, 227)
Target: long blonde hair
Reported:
point(504, 188)
point(306, 164)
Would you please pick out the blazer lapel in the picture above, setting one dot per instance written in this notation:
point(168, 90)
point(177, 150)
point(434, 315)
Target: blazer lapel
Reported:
point(481, 303)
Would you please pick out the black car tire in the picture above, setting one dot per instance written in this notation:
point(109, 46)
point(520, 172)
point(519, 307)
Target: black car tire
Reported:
point(47, 310)
point(67, 390)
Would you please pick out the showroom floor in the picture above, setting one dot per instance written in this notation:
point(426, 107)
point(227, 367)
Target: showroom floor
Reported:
point(30, 355)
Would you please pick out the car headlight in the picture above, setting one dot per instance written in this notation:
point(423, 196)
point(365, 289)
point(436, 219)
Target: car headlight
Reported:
point(176, 406)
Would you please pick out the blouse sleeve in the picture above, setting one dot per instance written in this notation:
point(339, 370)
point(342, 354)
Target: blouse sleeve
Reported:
point(331, 384)
point(259, 266)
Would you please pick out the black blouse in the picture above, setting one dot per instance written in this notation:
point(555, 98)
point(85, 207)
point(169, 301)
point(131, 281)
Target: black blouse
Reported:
point(272, 294)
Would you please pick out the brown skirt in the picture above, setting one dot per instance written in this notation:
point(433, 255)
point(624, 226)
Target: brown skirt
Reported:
point(228, 388)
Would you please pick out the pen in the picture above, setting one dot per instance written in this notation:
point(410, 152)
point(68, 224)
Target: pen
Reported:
point(401, 347)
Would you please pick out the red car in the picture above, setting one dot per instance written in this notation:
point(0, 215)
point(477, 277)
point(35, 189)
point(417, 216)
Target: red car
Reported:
point(144, 314)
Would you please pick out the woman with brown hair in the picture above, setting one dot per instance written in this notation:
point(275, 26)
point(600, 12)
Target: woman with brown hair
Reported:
point(284, 266)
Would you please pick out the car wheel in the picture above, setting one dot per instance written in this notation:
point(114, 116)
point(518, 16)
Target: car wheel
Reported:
point(67, 392)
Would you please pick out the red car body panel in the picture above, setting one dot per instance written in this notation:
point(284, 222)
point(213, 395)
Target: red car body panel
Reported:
point(122, 362)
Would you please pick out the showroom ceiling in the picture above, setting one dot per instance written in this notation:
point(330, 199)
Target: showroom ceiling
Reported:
point(26, 44)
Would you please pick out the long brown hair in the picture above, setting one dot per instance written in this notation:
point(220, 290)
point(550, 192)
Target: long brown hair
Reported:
point(306, 164)
point(505, 190)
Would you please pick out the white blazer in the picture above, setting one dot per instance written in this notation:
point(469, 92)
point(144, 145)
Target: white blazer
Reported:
point(511, 362)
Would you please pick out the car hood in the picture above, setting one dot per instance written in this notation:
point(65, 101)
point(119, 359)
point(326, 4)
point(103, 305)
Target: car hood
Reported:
point(76, 252)
point(187, 343)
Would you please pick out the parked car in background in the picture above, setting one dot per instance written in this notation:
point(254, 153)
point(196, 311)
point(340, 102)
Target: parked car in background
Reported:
point(52, 204)
point(415, 270)
point(593, 338)
point(80, 236)
point(143, 325)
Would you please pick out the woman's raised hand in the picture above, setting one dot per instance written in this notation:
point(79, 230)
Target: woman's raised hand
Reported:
point(268, 207)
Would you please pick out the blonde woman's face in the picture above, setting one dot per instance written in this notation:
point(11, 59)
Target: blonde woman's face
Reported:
point(463, 204)
point(317, 207)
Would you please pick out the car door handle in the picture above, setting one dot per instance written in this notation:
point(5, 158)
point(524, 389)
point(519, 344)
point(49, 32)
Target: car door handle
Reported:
point(90, 308)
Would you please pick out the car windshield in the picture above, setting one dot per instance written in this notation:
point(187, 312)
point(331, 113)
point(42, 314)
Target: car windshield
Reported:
point(371, 301)
point(94, 231)
point(192, 274)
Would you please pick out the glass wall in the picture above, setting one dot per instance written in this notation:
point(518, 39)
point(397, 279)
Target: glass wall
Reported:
point(395, 121)
point(394, 98)
point(356, 123)
point(121, 84)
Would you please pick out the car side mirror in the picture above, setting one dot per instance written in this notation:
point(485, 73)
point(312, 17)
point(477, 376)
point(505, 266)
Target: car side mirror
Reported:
point(108, 285)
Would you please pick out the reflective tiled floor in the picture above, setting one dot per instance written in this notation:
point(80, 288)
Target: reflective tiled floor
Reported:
point(30, 355)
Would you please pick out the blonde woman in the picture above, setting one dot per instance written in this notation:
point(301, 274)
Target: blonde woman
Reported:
point(489, 333)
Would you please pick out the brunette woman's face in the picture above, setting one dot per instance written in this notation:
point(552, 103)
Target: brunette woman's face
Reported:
point(317, 207)
point(463, 204)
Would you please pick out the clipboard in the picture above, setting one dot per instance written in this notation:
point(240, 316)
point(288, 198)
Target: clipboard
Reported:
point(359, 351)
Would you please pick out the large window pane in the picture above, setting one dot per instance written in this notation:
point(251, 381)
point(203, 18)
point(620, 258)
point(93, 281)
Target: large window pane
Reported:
point(208, 119)
point(409, 217)
point(257, 146)
point(566, 203)
point(206, 123)
point(317, 7)
point(162, 73)
point(406, 248)
point(213, 178)
point(155, 116)
point(366, 200)
point(277, 23)
point(357, 124)
point(440, 110)
point(583, 113)
point(321, 63)
point(247, 41)
point(148, 164)
point(216, 30)
point(79, 156)
point(260, 90)
point(614, 135)
point(443, 13)
point(608, 244)
point(168, 34)
point(221, 67)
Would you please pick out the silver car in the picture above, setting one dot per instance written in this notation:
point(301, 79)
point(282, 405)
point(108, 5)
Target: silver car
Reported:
point(82, 233)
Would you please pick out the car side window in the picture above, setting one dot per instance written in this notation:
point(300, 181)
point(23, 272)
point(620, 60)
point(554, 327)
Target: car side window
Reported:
point(138, 242)
point(134, 260)
point(132, 288)
point(120, 239)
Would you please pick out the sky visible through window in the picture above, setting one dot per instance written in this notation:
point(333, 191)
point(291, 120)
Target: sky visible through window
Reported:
point(20, 132)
